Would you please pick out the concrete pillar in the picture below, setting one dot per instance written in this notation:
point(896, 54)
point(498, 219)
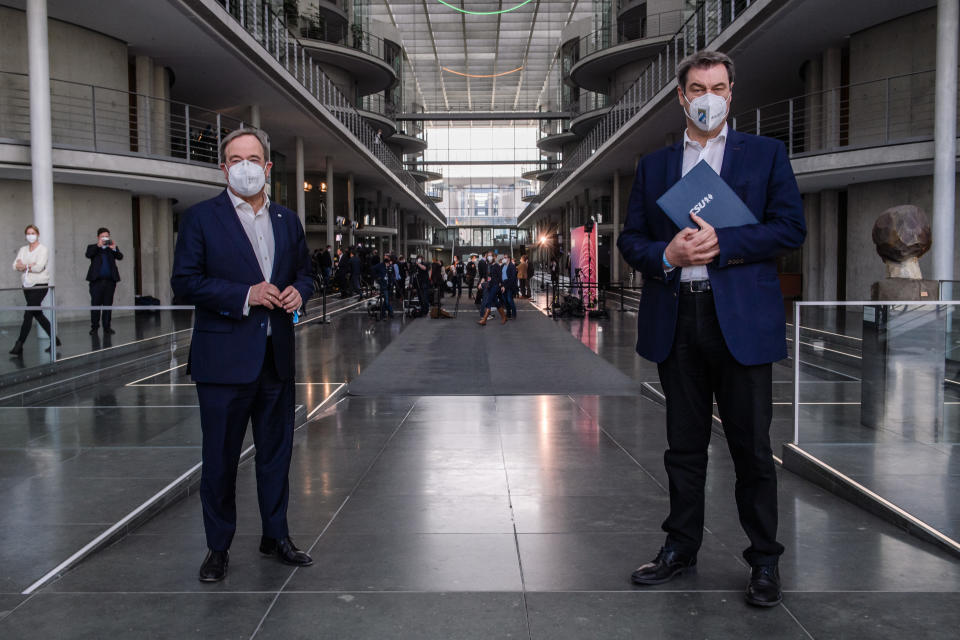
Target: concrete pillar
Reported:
point(164, 244)
point(351, 214)
point(148, 246)
point(945, 142)
point(41, 137)
point(160, 111)
point(143, 70)
point(812, 255)
point(301, 196)
point(615, 207)
point(331, 217)
point(813, 105)
point(255, 116)
point(828, 240)
point(832, 70)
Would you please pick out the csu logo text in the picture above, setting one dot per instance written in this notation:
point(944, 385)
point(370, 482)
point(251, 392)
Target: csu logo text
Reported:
point(700, 206)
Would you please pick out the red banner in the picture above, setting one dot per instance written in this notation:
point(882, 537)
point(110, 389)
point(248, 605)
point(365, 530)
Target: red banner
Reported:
point(583, 265)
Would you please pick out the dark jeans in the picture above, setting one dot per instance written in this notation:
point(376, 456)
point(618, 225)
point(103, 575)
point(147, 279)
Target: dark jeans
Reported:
point(34, 297)
point(509, 303)
point(385, 292)
point(101, 294)
point(699, 368)
point(225, 410)
point(524, 288)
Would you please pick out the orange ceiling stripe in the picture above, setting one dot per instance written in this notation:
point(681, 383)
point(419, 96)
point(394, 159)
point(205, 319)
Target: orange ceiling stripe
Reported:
point(474, 75)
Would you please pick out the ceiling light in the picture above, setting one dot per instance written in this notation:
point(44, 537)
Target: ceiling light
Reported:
point(475, 75)
point(484, 13)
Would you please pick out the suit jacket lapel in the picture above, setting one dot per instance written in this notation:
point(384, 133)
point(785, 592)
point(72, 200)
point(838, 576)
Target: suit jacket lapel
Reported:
point(732, 157)
point(279, 239)
point(235, 233)
point(674, 164)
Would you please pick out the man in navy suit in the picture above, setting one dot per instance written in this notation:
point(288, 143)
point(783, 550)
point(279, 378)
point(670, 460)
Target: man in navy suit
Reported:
point(243, 262)
point(103, 277)
point(711, 317)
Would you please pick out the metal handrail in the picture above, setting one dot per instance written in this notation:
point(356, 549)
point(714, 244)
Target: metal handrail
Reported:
point(865, 114)
point(101, 119)
point(271, 31)
point(659, 24)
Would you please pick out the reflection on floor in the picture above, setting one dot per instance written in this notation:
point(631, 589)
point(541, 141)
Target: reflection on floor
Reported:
point(464, 517)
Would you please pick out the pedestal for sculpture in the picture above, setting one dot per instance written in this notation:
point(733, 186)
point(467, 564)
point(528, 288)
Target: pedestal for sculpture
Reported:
point(903, 370)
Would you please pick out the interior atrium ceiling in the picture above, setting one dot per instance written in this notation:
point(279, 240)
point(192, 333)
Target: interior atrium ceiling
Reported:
point(480, 55)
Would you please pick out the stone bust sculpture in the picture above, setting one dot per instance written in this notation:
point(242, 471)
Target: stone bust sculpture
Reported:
point(902, 235)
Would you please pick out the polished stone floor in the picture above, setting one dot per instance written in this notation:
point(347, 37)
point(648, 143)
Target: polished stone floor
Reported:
point(464, 517)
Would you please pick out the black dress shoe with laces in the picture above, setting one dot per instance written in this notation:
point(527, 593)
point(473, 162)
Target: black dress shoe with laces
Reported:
point(667, 565)
point(214, 567)
point(764, 587)
point(285, 550)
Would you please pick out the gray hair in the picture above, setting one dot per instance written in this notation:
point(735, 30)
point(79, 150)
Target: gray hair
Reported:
point(703, 60)
point(260, 135)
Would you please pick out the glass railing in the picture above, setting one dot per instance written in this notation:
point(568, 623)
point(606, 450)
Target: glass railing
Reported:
point(876, 397)
point(699, 30)
point(425, 167)
point(134, 328)
point(554, 127)
point(111, 121)
point(267, 28)
point(892, 110)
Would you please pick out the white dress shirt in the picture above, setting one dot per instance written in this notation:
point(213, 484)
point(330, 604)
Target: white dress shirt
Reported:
point(693, 153)
point(259, 230)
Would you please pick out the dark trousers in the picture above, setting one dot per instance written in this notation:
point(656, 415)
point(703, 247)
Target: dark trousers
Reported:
point(225, 409)
point(424, 294)
point(524, 288)
point(34, 297)
point(385, 292)
point(101, 294)
point(509, 303)
point(699, 368)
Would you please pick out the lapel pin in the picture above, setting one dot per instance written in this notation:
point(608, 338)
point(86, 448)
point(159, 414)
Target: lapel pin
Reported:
point(279, 215)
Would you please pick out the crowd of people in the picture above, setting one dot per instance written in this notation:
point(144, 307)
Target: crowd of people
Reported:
point(419, 284)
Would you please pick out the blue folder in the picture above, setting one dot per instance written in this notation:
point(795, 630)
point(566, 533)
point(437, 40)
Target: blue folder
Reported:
point(705, 193)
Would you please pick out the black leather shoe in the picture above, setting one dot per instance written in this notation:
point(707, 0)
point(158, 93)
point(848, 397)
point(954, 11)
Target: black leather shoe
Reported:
point(667, 565)
point(93, 331)
point(285, 550)
point(214, 567)
point(764, 587)
point(108, 331)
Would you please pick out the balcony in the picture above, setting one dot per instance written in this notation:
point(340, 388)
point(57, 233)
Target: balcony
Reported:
point(602, 52)
point(360, 53)
point(589, 108)
point(554, 135)
point(423, 172)
point(409, 137)
point(530, 194)
point(542, 170)
point(379, 114)
point(864, 132)
point(139, 128)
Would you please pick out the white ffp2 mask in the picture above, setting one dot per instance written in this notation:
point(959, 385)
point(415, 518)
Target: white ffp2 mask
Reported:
point(707, 111)
point(247, 178)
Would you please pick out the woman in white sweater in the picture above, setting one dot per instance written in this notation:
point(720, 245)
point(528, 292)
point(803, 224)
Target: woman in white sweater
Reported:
point(31, 262)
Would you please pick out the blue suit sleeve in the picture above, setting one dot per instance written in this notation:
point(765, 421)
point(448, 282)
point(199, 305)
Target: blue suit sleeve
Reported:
point(190, 280)
point(639, 247)
point(783, 227)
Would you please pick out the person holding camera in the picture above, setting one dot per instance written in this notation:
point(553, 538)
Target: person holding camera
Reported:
point(103, 277)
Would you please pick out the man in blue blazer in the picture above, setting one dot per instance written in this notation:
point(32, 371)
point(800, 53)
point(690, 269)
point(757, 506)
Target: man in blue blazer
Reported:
point(243, 262)
point(711, 316)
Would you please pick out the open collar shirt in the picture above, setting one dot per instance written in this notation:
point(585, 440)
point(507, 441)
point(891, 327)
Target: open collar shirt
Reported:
point(693, 153)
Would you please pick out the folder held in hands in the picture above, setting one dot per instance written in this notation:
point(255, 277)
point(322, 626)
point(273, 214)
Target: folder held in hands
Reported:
point(705, 193)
